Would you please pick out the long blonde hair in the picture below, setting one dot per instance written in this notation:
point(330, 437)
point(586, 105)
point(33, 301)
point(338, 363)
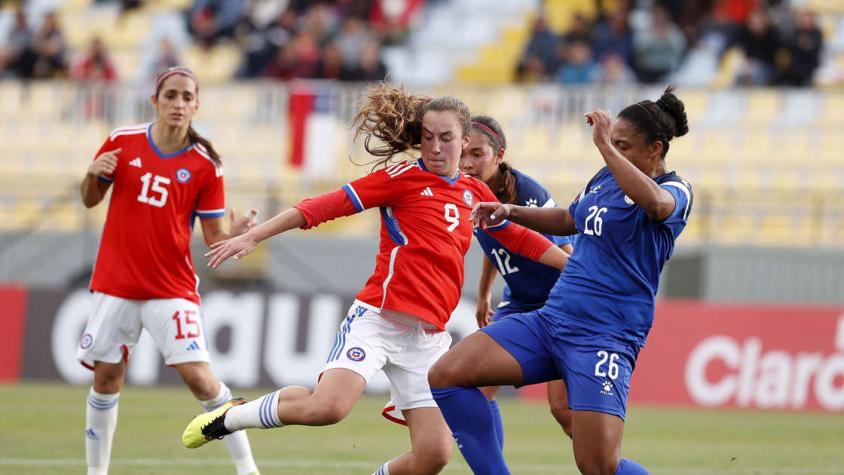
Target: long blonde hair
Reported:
point(393, 116)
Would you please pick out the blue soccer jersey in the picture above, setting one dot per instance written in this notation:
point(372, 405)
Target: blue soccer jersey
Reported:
point(614, 270)
point(527, 282)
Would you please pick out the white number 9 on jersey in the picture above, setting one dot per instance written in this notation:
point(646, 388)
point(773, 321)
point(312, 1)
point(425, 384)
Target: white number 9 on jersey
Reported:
point(452, 216)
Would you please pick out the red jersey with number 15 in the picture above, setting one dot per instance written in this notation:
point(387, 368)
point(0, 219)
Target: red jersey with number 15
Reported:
point(145, 248)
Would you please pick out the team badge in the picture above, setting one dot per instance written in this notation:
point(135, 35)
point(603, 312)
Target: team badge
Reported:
point(86, 341)
point(467, 197)
point(183, 175)
point(356, 354)
point(628, 200)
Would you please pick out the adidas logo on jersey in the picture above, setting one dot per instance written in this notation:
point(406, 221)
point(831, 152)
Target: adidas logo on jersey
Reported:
point(193, 346)
point(427, 192)
point(136, 162)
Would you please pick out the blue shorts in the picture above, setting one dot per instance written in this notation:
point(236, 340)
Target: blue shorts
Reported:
point(512, 308)
point(596, 368)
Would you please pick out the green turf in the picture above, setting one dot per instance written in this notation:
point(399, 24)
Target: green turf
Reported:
point(42, 425)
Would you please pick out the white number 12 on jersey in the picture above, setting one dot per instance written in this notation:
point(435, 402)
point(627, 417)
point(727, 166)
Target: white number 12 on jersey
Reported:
point(157, 187)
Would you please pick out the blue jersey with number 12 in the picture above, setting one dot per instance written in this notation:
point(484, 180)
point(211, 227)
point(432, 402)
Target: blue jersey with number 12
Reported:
point(610, 282)
point(528, 282)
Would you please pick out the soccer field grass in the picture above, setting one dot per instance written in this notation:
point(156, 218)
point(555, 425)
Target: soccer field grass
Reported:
point(42, 429)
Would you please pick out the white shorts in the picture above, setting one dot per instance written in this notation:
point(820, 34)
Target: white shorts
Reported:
point(115, 325)
point(405, 348)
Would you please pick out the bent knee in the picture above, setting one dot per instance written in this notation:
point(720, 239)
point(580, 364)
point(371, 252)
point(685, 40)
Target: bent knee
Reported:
point(445, 374)
point(326, 413)
point(432, 459)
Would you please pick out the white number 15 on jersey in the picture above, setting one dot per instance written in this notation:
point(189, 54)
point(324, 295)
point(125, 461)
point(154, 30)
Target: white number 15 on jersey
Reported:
point(159, 196)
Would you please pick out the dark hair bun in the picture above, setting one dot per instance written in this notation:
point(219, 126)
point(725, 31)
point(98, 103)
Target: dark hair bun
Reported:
point(671, 105)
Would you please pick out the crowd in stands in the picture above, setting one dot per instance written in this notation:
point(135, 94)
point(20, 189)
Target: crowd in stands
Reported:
point(629, 41)
point(648, 41)
point(283, 40)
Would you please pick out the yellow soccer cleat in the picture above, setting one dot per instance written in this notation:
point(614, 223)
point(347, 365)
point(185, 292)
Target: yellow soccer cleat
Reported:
point(209, 426)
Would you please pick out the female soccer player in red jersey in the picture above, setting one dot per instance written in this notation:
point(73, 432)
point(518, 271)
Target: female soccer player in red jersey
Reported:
point(163, 175)
point(397, 322)
point(527, 282)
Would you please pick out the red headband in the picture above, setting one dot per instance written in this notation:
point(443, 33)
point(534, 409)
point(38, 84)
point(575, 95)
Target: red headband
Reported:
point(173, 71)
point(489, 129)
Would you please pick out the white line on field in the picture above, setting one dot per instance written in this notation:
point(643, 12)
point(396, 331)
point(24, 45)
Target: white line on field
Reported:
point(365, 465)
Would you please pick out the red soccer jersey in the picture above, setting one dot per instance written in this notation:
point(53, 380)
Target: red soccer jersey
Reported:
point(145, 248)
point(425, 232)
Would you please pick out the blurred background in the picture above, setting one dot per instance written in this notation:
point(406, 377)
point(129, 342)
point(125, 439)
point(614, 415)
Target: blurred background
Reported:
point(752, 308)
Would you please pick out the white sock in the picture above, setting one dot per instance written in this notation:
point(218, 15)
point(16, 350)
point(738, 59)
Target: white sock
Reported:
point(383, 469)
point(261, 413)
point(238, 442)
point(100, 422)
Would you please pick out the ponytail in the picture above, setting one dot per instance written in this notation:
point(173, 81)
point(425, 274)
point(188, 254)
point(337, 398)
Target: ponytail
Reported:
point(194, 137)
point(507, 192)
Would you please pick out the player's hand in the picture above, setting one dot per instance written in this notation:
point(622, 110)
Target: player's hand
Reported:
point(601, 122)
point(244, 223)
point(236, 247)
point(105, 164)
point(484, 311)
point(490, 213)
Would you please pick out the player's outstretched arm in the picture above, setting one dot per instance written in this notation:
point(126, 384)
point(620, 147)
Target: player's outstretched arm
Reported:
point(555, 221)
point(244, 244)
point(212, 228)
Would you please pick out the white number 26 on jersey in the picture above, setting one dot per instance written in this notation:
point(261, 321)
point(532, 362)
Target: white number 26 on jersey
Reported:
point(155, 195)
point(452, 216)
point(597, 224)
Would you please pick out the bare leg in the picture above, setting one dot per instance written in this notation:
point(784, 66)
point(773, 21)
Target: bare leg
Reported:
point(597, 442)
point(336, 393)
point(430, 443)
point(559, 404)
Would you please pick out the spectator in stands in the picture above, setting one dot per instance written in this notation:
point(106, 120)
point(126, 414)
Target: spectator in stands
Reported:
point(167, 57)
point(351, 39)
point(539, 54)
point(319, 22)
point(17, 43)
point(611, 70)
point(804, 51)
point(658, 47)
point(369, 67)
point(580, 30)
point(759, 42)
point(298, 59)
point(331, 64)
point(95, 65)
point(210, 20)
point(579, 66)
point(45, 58)
point(613, 36)
point(262, 45)
point(391, 20)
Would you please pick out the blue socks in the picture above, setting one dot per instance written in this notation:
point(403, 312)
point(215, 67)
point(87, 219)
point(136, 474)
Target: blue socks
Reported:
point(499, 424)
point(469, 415)
point(629, 467)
